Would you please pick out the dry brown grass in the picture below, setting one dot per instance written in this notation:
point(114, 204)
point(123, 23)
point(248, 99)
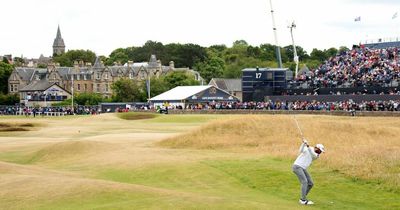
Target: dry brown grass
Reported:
point(367, 148)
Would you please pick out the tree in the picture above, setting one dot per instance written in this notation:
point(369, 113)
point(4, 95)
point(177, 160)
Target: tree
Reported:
point(318, 55)
point(126, 90)
point(179, 78)
point(68, 58)
point(343, 49)
point(9, 99)
point(5, 72)
point(88, 99)
point(5, 60)
point(331, 52)
point(300, 53)
point(42, 66)
point(157, 86)
point(18, 62)
point(212, 68)
point(119, 56)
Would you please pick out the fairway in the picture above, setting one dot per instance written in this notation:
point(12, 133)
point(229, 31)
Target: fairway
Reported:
point(131, 161)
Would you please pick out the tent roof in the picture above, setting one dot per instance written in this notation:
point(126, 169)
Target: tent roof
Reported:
point(180, 93)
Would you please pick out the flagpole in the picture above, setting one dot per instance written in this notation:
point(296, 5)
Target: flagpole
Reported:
point(72, 92)
point(278, 49)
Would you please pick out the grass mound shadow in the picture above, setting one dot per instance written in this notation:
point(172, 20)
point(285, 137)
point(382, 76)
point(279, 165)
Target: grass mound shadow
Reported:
point(136, 116)
point(15, 127)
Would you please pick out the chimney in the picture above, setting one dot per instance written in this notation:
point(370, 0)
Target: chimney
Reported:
point(130, 64)
point(171, 65)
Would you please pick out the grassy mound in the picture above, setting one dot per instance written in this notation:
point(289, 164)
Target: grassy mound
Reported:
point(66, 150)
point(136, 115)
point(353, 148)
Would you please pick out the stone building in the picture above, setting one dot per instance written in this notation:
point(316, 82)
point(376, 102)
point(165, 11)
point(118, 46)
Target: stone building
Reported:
point(34, 84)
point(86, 78)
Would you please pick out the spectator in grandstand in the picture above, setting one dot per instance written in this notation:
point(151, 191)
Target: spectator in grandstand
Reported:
point(354, 68)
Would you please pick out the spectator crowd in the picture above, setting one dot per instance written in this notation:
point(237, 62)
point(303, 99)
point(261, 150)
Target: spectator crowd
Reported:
point(301, 105)
point(359, 67)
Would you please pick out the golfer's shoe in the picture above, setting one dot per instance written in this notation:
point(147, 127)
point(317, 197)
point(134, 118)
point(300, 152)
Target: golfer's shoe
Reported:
point(306, 202)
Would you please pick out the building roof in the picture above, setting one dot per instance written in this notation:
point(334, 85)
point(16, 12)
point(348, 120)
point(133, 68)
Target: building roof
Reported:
point(195, 93)
point(39, 85)
point(180, 93)
point(227, 84)
point(265, 69)
point(25, 73)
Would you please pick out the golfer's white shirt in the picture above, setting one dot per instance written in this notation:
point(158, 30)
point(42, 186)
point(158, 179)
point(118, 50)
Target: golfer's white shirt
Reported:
point(306, 156)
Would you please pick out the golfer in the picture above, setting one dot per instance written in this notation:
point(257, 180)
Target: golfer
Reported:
point(306, 155)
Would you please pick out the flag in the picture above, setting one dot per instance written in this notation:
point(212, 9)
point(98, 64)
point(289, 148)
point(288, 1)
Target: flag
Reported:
point(394, 15)
point(357, 19)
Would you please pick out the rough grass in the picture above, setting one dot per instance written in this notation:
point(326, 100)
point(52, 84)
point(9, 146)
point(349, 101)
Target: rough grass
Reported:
point(136, 115)
point(365, 148)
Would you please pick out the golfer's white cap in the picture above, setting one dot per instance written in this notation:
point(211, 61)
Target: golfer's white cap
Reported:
point(321, 147)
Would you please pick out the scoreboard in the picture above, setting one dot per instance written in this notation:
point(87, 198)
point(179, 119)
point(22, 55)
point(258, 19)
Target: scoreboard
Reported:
point(257, 83)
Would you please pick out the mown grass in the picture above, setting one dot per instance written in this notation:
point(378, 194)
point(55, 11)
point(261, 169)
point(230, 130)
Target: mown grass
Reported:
point(261, 181)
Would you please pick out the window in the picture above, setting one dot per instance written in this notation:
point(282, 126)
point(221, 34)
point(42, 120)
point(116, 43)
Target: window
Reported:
point(131, 75)
point(106, 76)
point(79, 87)
point(16, 88)
point(85, 87)
point(37, 77)
point(142, 75)
point(78, 77)
point(98, 87)
point(98, 75)
point(106, 87)
point(11, 88)
point(84, 77)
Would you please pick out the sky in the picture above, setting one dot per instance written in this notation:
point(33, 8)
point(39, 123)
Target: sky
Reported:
point(29, 26)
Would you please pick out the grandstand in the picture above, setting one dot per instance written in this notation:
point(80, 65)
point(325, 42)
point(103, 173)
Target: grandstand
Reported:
point(361, 71)
point(382, 43)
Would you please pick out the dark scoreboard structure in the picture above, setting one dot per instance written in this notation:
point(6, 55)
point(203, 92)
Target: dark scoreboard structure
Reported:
point(259, 83)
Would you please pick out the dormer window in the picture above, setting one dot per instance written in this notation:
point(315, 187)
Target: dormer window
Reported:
point(37, 77)
point(131, 75)
point(106, 76)
point(98, 75)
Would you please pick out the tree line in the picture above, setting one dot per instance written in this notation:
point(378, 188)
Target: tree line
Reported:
point(213, 61)
point(216, 61)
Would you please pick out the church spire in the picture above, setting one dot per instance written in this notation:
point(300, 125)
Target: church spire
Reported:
point(58, 33)
point(58, 45)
